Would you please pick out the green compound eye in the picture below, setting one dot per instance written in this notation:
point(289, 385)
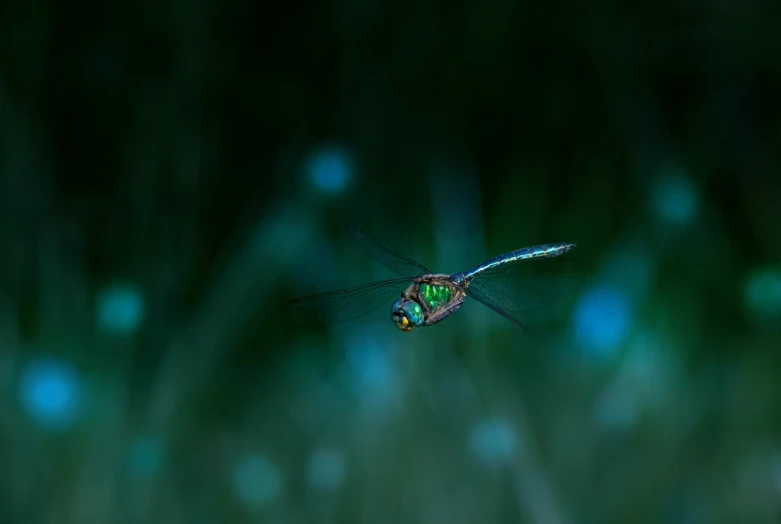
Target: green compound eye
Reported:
point(406, 314)
point(413, 312)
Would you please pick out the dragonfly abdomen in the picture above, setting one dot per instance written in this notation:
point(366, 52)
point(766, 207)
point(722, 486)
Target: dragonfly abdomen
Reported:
point(534, 252)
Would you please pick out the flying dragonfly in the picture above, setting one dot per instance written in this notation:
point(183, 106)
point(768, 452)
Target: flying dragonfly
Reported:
point(511, 284)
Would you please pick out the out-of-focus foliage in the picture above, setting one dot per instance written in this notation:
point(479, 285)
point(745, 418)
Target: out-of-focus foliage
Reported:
point(172, 173)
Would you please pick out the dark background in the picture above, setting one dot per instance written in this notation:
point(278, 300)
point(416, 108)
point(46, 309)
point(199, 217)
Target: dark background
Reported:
point(172, 174)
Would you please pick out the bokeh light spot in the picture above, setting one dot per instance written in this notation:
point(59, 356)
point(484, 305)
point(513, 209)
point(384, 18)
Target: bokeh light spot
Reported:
point(50, 393)
point(602, 320)
point(762, 293)
point(493, 441)
point(120, 309)
point(329, 170)
point(674, 198)
point(326, 469)
point(257, 481)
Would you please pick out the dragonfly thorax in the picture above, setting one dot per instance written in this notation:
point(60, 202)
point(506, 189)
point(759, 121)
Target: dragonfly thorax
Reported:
point(428, 300)
point(434, 295)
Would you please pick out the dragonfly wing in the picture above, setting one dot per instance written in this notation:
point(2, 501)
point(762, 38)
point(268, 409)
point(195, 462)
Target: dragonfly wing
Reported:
point(348, 304)
point(385, 255)
point(484, 296)
point(528, 290)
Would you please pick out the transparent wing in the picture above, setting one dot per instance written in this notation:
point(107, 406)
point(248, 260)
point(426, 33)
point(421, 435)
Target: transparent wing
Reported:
point(385, 255)
point(529, 291)
point(349, 304)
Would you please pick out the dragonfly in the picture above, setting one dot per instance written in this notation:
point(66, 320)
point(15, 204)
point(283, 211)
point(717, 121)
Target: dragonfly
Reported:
point(511, 284)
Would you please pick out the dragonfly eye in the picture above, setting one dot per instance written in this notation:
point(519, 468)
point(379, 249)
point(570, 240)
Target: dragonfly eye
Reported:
point(407, 315)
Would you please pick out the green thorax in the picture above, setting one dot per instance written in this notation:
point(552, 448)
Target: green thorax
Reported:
point(434, 296)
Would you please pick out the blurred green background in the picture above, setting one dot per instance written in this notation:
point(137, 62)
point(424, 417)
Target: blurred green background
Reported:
point(173, 173)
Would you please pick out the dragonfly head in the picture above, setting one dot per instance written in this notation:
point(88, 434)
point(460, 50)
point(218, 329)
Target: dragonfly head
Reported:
point(406, 314)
